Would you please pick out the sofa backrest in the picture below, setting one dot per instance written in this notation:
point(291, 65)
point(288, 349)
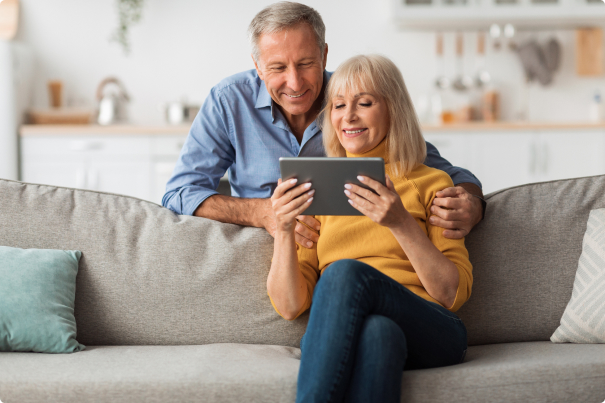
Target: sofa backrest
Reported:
point(525, 254)
point(148, 276)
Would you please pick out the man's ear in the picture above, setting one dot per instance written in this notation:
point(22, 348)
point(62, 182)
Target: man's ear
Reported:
point(258, 70)
point(326, 56)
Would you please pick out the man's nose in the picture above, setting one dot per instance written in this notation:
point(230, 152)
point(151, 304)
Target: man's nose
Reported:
point(295, 82)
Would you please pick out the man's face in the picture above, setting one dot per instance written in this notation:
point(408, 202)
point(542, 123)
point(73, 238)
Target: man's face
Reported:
point(291, 65)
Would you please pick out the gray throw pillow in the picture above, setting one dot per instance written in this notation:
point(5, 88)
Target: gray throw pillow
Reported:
point(584, 318)
point(37, 292)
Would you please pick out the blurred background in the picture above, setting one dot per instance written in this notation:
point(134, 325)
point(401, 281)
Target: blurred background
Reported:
point(510, 89)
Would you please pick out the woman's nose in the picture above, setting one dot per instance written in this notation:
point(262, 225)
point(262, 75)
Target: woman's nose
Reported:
point(350, 115)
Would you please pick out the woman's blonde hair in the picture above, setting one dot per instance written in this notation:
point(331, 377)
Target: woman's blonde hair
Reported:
point(378, 75)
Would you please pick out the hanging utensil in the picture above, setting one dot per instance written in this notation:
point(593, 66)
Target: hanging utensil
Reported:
point(482, 77)
point(495, 32)
point(509, 33)
point(442, 81)
point(463, 82)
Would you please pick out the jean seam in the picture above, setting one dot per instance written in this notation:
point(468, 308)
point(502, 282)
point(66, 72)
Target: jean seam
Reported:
point(342, 366)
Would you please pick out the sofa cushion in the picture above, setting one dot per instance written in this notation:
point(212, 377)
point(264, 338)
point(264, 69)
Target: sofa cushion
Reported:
point(524, 255)
point(37, 291)
point(584, 318)
point(210, 373)
point(516, 372)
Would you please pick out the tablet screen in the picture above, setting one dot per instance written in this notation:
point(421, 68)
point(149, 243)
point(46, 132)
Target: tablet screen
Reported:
point(328, 177)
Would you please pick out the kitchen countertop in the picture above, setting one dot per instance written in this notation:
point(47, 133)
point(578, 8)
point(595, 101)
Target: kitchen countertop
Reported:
point(36, 130)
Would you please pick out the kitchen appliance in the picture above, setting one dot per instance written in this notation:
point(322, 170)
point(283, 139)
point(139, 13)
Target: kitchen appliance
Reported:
point(179, 112)
point(113, 99)
point(16, 74)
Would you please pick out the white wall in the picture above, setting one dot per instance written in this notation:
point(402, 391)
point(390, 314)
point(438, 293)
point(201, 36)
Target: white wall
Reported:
point(181, 48)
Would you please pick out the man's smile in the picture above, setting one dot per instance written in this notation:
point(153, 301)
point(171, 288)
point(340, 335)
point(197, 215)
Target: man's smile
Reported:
point(296, 96)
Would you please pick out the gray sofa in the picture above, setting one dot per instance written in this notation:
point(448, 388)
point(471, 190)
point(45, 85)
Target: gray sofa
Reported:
point(174, 308)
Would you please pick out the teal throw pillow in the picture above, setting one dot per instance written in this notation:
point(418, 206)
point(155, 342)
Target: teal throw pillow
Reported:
point(37, 292)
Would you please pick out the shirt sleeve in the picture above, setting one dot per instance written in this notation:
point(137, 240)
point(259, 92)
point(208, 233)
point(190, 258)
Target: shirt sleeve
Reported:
point(458, 175)
point(453, 249)
point(206, 155)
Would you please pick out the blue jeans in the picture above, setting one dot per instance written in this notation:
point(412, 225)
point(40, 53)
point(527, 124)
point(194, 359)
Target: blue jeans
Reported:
point(364, 330)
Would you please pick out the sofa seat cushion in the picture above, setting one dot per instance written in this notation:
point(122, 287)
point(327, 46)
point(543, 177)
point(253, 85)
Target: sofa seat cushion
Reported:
point(512, 372)
point(202, 373)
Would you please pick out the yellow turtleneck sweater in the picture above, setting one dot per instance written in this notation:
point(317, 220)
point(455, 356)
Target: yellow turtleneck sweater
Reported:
point(358, 237)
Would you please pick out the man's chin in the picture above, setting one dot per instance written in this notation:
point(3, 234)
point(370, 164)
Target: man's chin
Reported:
point(296, 109)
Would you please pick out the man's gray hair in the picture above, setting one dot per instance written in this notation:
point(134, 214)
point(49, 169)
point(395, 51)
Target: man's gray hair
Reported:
point(283, 15)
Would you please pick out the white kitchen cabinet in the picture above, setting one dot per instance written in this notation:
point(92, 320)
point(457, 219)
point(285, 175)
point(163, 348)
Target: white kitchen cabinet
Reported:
point(480, 14)
point(501, 159)
point(504, 158)
point(116, 164)
point(569, 154)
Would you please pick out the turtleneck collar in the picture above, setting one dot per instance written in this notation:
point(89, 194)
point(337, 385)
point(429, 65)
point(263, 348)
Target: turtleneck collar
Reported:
point(379, 151)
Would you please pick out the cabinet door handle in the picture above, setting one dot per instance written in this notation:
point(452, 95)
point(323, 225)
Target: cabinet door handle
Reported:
point(545, 159)
point(85, 145)
point(93, 179)
point(81, 178)
point(533, 158)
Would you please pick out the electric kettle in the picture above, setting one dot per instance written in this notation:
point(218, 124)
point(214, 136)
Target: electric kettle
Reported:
point(113, 100)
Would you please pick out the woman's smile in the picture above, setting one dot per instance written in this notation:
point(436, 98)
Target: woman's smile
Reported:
point(354, 132)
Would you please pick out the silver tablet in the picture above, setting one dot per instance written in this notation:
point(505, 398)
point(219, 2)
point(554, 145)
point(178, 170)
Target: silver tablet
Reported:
point(328, 177)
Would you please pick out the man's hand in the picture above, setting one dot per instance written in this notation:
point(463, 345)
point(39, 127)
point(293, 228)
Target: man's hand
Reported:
point(305, 236)
point(456, 210)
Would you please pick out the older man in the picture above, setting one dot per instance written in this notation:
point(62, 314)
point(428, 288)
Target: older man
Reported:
point(253, 118)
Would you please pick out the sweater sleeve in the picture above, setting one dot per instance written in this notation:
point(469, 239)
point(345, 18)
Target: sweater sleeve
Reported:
point(453, 249)
point(308, 264)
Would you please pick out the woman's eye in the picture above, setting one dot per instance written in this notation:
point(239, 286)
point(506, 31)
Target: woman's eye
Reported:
point(366, 104)
point(338, 106)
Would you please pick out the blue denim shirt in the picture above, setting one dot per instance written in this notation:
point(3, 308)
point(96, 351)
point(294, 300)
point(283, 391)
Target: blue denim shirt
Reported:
point(240, 129)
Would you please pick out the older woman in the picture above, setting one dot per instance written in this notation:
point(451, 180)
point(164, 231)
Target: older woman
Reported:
point(382, 287)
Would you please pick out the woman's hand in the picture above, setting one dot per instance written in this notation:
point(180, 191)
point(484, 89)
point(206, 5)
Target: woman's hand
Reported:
point(288, 202)
point(384, 208)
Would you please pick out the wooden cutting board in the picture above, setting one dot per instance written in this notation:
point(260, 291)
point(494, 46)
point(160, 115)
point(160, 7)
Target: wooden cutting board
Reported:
point(60, 116)
point(589, 52)
point(9, 18)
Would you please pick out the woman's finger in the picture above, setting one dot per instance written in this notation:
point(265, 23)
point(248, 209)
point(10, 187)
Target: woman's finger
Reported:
point(373, 184)
point(291, 193)
point(293, 207)
point(282, 187)
point(362, 192)
point(361, 201)
point(360, 208)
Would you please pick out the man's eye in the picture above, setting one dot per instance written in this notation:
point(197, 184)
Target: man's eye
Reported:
point(282, 68)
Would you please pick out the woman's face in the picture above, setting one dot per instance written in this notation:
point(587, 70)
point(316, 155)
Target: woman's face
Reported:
point(360, 119)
